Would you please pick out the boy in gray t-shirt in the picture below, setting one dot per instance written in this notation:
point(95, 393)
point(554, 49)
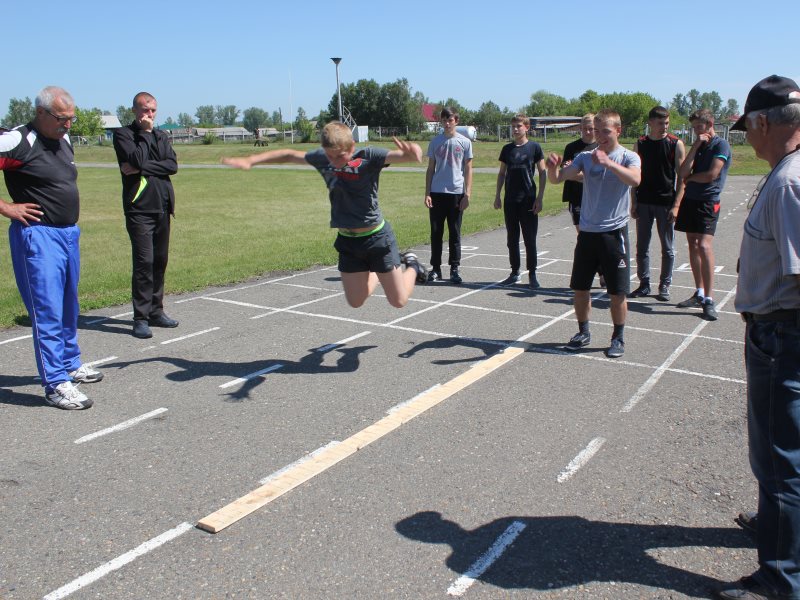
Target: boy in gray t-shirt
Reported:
point(608, 172)
point(448, 185)
point(367, 247)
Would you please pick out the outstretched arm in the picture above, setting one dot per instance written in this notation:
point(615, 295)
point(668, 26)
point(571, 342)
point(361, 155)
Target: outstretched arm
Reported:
point(285, 155)
point(406, 152)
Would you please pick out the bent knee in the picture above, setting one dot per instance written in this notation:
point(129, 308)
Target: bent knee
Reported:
point(398, 302)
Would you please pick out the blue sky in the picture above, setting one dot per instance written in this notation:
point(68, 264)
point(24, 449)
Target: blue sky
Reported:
point(277, 55)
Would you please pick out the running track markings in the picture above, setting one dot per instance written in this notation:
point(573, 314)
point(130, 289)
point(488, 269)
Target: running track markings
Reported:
point(487, 559)
point(16, 339)
point(121, 426)
point(653, 379)
point(190, 335)
point(101, 319)
point(327, 347)
point(327, 458)
point(253, 375)
point(581, 459)
point(118, 562)
point(249, 286)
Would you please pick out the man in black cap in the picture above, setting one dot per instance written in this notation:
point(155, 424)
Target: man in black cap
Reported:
point(768, 297)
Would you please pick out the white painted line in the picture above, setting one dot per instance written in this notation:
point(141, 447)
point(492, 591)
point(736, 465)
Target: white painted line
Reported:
point(478, 568)
point(237, 303)
point(191, 335)
point(654, 378)
point(297, 463)
point(405, 403)
point(146, 348)
point(94, 363)
point(101, 319)
point(684, 267)
point(289, 309)
point(252, 285)
point(583, 457)
point(327, 347)
point(118, 562)
point(121, 426)
point(251, 376)
point(16, 339)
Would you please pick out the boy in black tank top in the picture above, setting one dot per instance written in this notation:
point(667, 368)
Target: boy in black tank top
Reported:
point(661, 154)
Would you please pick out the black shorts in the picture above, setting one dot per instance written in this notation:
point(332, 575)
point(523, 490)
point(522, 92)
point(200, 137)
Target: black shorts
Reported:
point(697, 216)
point(376, 252)
point(575, 211)
point(608, 251)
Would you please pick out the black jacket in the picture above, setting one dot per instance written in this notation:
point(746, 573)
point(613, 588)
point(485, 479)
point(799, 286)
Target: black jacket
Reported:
point(152, 154)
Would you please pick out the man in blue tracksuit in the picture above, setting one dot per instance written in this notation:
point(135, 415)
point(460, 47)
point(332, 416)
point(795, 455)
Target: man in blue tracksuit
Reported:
point(38, 163)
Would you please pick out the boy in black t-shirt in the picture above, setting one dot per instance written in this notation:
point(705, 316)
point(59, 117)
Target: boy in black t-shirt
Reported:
point(518, 161)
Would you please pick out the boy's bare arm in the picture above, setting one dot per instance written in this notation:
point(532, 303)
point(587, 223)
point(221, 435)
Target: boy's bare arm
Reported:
point(538, 204)
point(501, 179)
point(406, 152)
point(628, 175)
point(285, 155)
point(557, 173)
point(467, 185)
point(428, 180)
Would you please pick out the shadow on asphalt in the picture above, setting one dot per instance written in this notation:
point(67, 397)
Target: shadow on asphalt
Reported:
point(568, 551)
point(108, 325)
point(8, 396)
point(310, 364)
point(487, 348)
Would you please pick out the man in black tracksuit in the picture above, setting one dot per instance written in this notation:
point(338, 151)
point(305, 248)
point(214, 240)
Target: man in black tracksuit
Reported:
point(146, 160)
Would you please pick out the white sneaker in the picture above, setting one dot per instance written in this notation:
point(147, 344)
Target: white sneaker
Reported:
point(68, 397)
point(86, 374)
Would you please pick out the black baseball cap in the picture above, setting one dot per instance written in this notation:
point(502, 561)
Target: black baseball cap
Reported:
point(770, 91)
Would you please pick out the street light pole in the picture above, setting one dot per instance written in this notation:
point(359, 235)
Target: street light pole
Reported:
point(338, 87)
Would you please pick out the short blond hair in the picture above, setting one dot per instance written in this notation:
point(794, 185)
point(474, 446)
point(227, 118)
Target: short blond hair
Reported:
point(337, 135)
point(588, 118)
point(610, 116)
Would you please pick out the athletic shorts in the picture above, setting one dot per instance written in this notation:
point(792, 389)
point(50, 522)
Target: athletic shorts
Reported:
point(697, 216)
point(575, 211)
point(376, 252)
point(607, 251)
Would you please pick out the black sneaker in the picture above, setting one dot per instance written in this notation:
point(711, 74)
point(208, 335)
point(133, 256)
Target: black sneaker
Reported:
point(748, 521)
point(409, 259)
point(162, 320)
point(455, 277)
point(747, 588)
point(511, 279)
point(641, 291)
point(141, 329)
point(434, 275)
point(579, 340)
point(663, 293)
point(533, 283)
point(616, 349)
point(693, 302)
point(709, 310)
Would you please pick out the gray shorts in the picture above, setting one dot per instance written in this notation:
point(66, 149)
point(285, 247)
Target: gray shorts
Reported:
point(377, 252)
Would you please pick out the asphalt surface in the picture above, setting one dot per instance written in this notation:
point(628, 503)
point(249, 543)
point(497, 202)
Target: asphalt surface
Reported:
point(555, 475)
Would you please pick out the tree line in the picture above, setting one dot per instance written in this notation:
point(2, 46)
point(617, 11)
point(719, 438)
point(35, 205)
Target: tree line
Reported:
point(395, 104)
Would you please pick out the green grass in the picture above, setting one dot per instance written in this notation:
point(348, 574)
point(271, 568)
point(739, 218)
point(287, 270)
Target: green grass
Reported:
point(486, 153)
point(232, 226)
